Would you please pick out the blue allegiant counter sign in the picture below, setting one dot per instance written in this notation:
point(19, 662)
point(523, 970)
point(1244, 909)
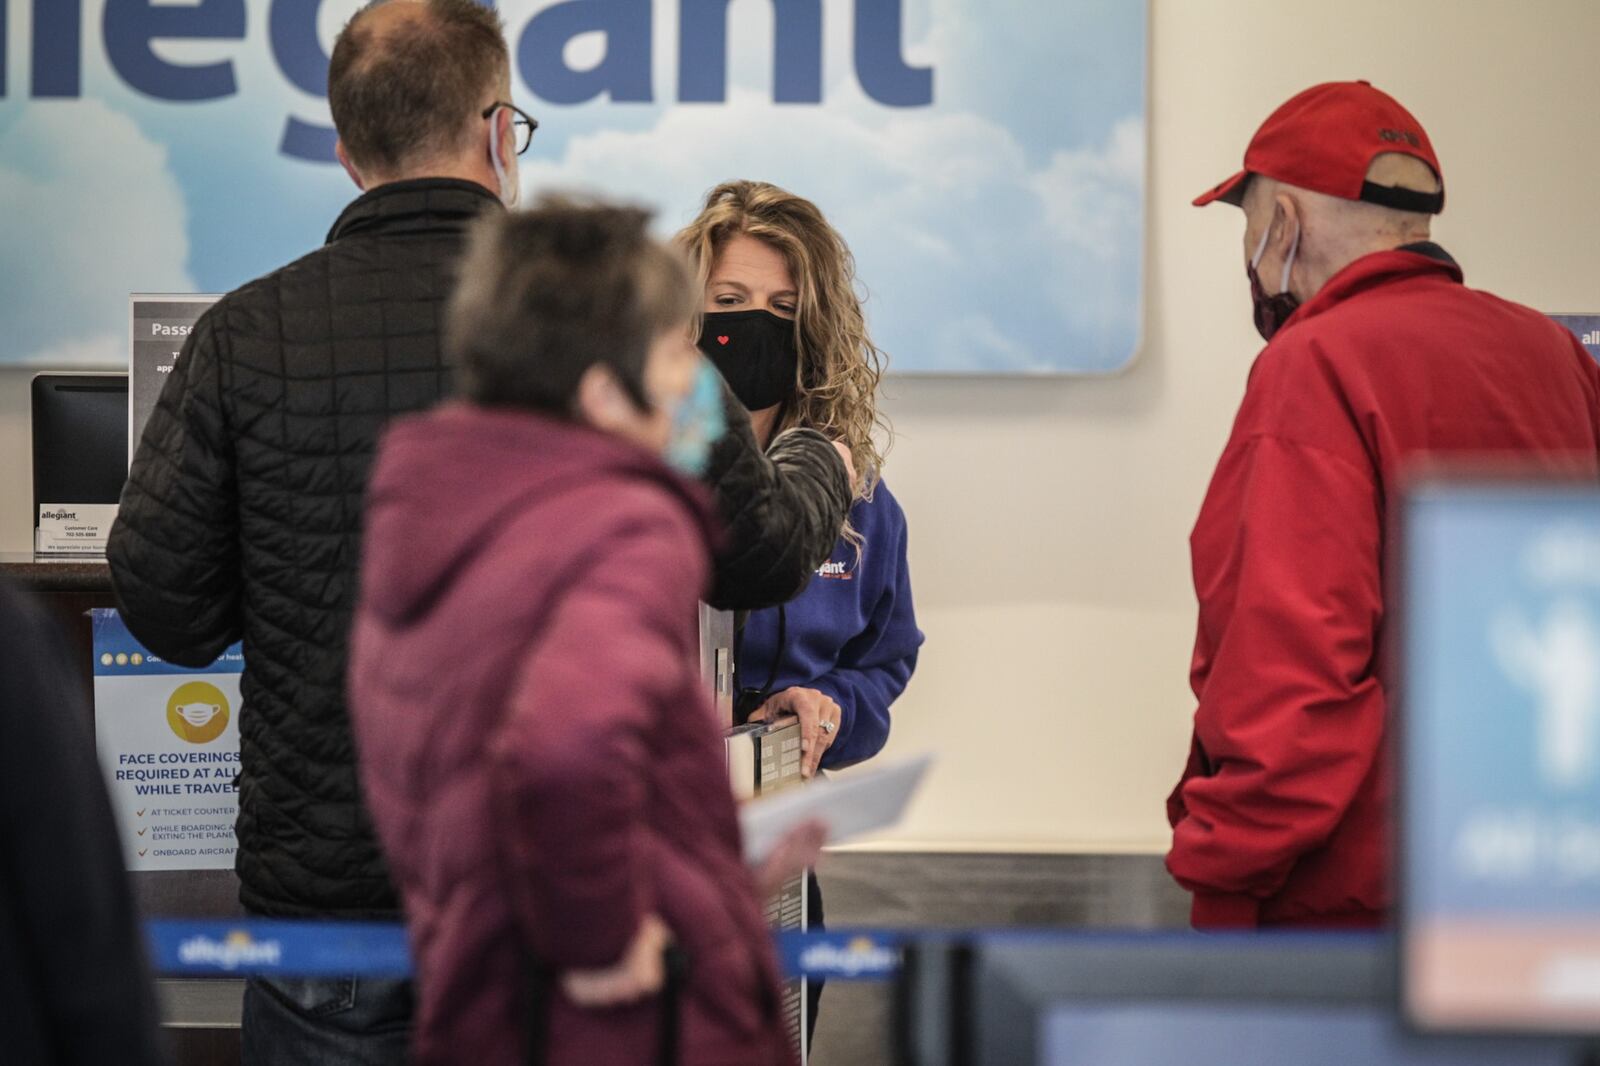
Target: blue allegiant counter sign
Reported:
point(986, 164)
point(376, 949)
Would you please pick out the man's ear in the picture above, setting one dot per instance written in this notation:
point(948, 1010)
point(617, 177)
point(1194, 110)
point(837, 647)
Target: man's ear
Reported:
point(349, 167)
point(497, 138)
point(1286, 218)
point(601, 402)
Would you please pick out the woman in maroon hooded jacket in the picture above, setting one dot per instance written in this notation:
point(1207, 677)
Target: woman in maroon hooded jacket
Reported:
point(543, 766)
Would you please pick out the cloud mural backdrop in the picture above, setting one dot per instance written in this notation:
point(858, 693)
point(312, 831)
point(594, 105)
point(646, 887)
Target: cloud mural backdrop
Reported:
point(985, 160)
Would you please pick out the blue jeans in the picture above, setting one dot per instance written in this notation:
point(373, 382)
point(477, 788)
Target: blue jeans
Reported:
point(327, 1021)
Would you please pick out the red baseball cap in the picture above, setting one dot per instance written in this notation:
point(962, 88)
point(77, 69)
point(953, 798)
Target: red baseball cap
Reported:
point(1325, 138)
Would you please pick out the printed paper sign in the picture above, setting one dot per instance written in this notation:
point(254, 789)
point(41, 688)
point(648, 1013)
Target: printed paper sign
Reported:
point(168, 739)
point(73, 528)
point(160, 326)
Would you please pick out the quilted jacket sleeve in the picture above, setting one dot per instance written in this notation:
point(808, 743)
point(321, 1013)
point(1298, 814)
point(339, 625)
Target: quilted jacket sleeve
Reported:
point(783, 511)
point(174, 550)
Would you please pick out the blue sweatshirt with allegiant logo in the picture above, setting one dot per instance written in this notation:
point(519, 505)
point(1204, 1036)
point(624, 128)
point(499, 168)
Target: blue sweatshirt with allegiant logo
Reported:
point(851, 635)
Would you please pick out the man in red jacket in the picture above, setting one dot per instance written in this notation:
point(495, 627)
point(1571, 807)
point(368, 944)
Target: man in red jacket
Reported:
point(1377, 353)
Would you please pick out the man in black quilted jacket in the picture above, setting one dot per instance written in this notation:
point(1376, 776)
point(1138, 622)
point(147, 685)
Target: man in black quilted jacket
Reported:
point(242, 513)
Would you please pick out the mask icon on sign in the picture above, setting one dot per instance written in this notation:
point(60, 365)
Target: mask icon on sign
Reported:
point(198, 714)
point(1559, 660)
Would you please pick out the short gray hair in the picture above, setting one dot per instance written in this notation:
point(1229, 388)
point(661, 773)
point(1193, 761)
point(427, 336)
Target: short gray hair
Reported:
point(547, 293)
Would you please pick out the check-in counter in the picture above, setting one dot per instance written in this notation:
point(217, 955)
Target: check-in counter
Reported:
point(68, 588)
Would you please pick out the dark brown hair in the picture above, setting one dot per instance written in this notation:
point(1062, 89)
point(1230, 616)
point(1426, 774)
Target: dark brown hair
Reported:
point(411, 92)
point(545, 294)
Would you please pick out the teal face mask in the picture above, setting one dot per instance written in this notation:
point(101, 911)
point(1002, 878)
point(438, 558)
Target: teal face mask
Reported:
point(697, 424)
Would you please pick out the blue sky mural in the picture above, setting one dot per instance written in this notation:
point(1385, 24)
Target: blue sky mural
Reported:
point(986, 161)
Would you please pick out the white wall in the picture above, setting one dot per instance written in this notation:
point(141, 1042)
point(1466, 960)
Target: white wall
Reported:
point(1049, 518)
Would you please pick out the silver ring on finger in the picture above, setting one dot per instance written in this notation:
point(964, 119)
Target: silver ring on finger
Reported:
point(829, 726)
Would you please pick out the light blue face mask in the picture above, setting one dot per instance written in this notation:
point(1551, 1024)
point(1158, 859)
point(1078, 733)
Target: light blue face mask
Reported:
point(697, 424)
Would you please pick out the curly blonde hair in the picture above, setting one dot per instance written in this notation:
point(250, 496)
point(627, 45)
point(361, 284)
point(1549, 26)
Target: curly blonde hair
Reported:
point(837, 388)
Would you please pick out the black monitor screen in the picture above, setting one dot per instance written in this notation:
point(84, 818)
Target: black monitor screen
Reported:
point(1264, 999)
point(80, 438)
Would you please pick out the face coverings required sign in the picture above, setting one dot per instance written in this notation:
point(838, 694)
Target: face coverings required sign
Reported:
point(168, 739)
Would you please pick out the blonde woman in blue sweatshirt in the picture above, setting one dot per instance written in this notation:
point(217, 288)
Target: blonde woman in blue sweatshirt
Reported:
point(784, 325)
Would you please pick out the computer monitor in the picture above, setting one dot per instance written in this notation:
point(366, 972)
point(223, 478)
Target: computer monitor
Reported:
point(80, 447)
point(1498, 716)
point(1170, 999)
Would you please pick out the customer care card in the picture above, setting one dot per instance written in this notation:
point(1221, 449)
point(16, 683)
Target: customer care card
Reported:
point(73, 528)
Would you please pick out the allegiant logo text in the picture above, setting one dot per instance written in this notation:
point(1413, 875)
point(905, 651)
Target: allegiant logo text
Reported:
point(861, 957)
point(131, 29)
point(239, 949)
point(836, 571)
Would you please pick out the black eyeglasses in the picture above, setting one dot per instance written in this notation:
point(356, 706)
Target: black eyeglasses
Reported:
point(523, 122)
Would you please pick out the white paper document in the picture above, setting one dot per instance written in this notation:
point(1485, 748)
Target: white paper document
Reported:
point(849, 806)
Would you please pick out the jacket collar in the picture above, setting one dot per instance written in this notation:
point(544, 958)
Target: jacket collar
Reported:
point(1429, 249)
point(1420, 259)
point(421, 205)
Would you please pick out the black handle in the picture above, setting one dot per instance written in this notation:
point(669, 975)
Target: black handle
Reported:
point(537, 1008)
point(677, 972)
point(538, 980)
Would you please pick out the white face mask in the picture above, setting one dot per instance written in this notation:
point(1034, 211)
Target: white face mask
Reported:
point(198, 714)
point(1272, 310)
point(1288, 264)
point(505, 171)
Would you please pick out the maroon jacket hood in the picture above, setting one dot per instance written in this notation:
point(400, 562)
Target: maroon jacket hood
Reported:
point(445, 482)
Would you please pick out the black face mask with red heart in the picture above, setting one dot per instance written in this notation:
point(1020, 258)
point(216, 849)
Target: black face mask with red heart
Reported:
point(756, 353)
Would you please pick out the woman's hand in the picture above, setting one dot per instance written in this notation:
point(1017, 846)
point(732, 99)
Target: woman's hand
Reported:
point(819, 722)
point(641, 971)
point(795, 852)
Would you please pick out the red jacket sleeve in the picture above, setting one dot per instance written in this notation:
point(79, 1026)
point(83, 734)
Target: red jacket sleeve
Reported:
point(571, 766)
point(1291, 712)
